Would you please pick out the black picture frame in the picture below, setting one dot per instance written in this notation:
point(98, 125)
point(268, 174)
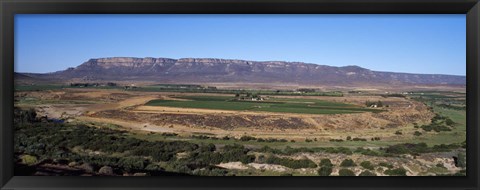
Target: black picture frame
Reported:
point(8, 8)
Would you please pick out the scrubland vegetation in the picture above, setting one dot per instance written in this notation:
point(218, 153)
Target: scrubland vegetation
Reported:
point(46, 146)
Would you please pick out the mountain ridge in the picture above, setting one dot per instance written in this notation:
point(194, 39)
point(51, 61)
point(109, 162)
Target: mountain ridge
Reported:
point(203, 70)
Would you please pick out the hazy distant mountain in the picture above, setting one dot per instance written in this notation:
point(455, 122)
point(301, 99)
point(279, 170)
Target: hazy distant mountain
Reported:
point(199, 70)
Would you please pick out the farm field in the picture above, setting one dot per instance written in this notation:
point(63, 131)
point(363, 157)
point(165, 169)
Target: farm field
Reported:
point(283, 105)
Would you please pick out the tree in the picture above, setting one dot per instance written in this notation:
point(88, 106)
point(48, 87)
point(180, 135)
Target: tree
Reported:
point(396, 172)
point(348, 163)
point(449, 121)
point(326, 162)
point(29, 116)
point(346, 172)
point(367, 165)
point(367, 173)
point(379, 104)
point(460, 160)
point(325, 171)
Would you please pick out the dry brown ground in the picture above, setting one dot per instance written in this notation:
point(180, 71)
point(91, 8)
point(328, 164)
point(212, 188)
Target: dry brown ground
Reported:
point(127, 109)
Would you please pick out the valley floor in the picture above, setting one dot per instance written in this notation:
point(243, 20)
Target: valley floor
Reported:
point(280, 135)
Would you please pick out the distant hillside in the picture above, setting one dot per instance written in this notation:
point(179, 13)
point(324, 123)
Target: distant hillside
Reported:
point(202, 70)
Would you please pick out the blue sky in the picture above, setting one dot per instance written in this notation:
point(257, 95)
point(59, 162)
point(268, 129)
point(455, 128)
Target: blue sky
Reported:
point(433, 44)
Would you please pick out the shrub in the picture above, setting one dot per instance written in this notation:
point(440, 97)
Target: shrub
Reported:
point(349, 138)
point(247, 138)
point(338, 150)
point(200, 137)
point(435, 127)
point(29, 160)
point(348, 163)
point(346, 172)
point(415, 149)
point(460, 160)
point(208, 148)
point(398, 133)
point(367, 152)
point(367, 173)
point(154, 167)
point(367, 165)
point(449, 121)
point(407, 148)
point(387, 165)
point(133, 163)
point(326, 162)
point(291, 163)
point(359, 139)
point(325, 171)
point(416, 133)
point(169, 134)
point(106, 170)
point(396, 172)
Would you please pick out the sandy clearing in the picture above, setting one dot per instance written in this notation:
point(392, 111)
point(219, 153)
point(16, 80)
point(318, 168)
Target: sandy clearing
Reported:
point(233, 165)
point(273, 167)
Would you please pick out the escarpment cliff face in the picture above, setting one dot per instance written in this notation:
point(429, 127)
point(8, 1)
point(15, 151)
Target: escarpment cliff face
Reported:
point(199, 70)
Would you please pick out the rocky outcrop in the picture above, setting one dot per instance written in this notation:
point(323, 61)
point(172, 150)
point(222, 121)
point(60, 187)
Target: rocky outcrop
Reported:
point(198, 70)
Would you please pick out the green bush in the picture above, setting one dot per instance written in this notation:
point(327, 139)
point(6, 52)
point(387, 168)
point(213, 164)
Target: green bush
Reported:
point(435, 127)
point(367, 173)
point(29, 159)
point(325, 171)
point(346, 172)
point(396, 172)
point(461, 160)
point(416, 133)
point(247, 138)
point(367, 152)
point(367, 165)
point(359, 139)
point(387, 165)
point(291, 163)
point(336, 140)
point(326, 163)
point(348, 163)
point(449, 121)
point(415, 149)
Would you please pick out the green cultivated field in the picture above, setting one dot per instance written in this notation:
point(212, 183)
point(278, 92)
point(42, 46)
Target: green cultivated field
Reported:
point(283, 105)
